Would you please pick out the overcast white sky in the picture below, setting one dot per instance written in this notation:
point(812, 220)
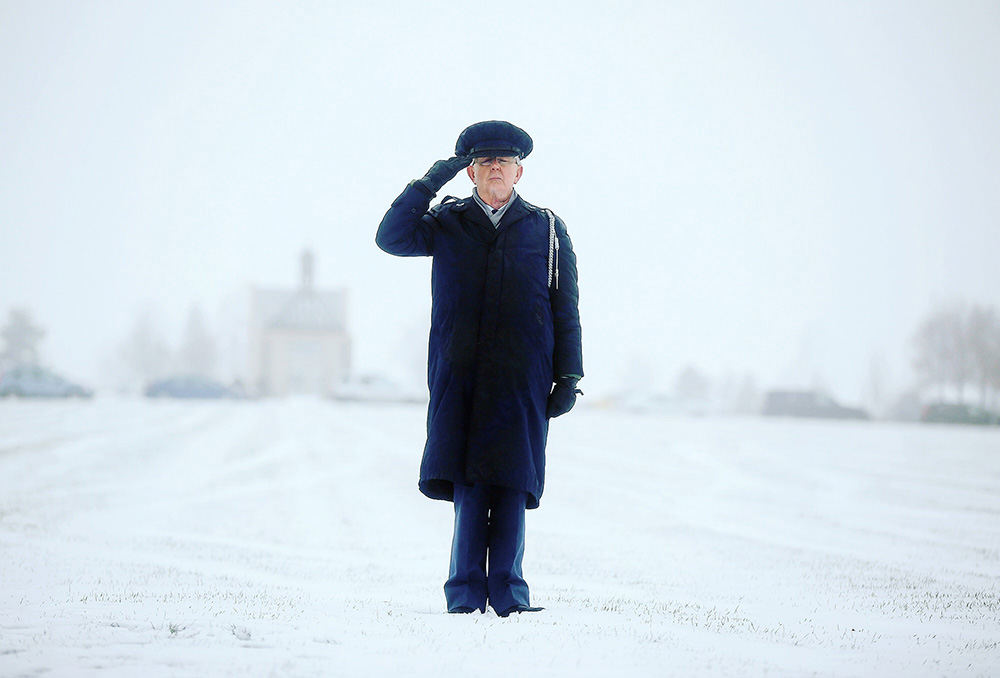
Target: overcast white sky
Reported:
point(782, 188)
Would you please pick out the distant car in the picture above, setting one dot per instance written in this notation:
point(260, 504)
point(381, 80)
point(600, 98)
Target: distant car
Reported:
point(374, 388)
point(187, 386)
point(652, 402)
point(808, 404)
point(954, 413)
point(32, 381)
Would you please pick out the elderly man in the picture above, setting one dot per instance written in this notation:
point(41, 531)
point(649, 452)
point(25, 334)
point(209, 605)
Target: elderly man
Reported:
point(504, 354)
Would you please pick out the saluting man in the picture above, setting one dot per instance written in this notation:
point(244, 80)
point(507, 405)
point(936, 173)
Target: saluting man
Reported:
point(504, 354)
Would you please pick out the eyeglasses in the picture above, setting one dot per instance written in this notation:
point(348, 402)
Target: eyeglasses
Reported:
point(488, 162)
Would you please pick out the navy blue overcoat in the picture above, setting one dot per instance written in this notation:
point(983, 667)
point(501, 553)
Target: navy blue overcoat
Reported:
point(500, 335)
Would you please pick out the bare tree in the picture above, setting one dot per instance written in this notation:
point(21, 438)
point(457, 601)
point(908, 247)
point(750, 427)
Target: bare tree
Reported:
point(144, 355)
point(197, 353)
point(21, 338)
point(876, 386)
point(983, 334)
point(942, 350)
point(692, 384)
point(957, 345)
point(993, 359)
point(960, 357)
point(748, 398)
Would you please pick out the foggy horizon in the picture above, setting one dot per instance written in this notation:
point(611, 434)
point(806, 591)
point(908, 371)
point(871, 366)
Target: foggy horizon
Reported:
point(777, 191)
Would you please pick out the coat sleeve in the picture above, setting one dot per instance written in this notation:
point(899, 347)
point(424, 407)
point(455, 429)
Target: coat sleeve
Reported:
point(568, 358)
point(407, 230)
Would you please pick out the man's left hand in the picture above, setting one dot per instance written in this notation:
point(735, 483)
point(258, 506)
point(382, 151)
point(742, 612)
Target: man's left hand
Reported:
point(562, 398)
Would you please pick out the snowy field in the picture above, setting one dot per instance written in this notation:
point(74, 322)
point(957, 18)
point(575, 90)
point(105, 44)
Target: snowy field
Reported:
point(288, 538)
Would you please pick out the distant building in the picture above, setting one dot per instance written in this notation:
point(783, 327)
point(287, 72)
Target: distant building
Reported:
point(298, 339)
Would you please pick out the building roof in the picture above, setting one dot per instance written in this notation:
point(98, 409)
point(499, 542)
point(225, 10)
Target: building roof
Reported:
point(311, 310)
point(305, 308)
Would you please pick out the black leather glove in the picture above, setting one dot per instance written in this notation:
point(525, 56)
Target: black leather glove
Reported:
point(563, 397)
point(443, 171)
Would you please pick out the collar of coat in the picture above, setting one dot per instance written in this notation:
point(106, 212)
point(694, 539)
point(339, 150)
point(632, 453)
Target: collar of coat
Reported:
point(517, 210)
point(494, 215)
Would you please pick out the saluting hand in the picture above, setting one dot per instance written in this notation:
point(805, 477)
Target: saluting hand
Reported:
point(444, 171)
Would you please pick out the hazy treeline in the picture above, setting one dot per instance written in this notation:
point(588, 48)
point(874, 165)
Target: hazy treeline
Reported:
point(956, 357)
point(21, 337)
point(957, 350)
point(143, 356)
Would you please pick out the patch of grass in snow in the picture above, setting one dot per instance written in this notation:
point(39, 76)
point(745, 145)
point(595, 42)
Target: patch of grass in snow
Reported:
point(113, 597)
point(240, 632)
point(203, 601)
point(862, 588)
point(654, 615)
point(927, 604)
point(250, 605)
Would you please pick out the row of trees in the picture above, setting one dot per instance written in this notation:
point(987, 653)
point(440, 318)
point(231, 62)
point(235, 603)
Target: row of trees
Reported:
point(145, 354)
point(142, 357)
point(956, 352)
point(21, 337)
point(957, 349)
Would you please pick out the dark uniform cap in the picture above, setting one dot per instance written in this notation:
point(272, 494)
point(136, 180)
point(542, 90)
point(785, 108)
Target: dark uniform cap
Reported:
point(493, 138)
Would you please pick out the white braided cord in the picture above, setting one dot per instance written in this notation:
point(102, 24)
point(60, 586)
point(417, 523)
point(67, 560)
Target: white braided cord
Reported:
point(553, 250)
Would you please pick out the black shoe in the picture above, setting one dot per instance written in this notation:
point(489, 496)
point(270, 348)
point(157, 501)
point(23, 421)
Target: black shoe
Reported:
point(519, 609)
point(462, 609)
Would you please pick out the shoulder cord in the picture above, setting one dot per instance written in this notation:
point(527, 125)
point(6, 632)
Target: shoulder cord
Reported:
point(553, 250)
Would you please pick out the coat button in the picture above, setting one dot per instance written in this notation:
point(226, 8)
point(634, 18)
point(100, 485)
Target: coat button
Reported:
point(413, 210)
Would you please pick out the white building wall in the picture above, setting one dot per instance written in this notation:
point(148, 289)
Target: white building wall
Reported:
point(303, 362)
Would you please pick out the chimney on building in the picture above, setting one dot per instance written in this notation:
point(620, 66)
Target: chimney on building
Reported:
point(308, 273)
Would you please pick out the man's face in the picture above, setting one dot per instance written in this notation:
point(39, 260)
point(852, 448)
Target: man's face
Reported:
point(495, 177)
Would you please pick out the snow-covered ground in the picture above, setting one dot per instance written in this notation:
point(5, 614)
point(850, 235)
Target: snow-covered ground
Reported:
point(288, 538)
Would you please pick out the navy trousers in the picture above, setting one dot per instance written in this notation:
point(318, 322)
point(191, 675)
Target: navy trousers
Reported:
point(487, 549)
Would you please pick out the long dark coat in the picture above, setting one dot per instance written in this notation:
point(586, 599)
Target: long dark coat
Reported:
point(500, 336)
